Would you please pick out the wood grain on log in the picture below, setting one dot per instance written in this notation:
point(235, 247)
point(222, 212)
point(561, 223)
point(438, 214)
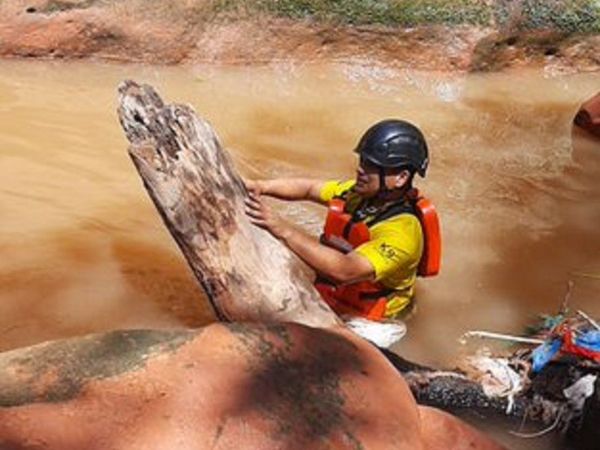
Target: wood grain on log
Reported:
point(247, 274)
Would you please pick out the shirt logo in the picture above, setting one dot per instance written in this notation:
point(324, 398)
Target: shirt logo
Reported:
point(389, 252)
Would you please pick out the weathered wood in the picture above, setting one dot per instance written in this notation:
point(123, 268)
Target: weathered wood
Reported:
point(246, 273)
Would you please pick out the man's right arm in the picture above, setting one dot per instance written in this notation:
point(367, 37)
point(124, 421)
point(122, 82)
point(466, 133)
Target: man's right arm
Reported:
point(288, 188)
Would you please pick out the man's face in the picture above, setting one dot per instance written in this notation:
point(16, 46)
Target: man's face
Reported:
point(367, 179)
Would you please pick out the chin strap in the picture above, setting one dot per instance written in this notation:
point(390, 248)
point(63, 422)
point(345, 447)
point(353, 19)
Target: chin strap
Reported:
point(382, 187)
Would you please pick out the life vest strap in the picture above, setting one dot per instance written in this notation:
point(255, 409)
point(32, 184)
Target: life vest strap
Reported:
point(384, 292)
point(404, 207)
point(347, 300)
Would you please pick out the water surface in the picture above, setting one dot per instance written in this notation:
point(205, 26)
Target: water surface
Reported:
point(83, 249)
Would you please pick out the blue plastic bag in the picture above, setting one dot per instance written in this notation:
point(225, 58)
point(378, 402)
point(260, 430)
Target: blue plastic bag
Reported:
point(543, 354)
point(589, 340)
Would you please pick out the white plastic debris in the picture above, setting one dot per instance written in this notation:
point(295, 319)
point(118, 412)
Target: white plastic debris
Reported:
point(579, 391)
point(498, 379)
point(383, 334)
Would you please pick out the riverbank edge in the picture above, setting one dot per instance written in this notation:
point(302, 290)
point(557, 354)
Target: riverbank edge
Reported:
point(118, 34)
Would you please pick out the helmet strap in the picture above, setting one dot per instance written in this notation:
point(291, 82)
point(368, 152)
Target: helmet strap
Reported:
point(382, 187)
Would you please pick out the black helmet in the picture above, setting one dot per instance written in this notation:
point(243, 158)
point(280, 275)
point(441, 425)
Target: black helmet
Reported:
point(395, 143)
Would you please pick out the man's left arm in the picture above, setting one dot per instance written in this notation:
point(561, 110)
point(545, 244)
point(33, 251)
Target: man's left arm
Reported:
point(334, 265)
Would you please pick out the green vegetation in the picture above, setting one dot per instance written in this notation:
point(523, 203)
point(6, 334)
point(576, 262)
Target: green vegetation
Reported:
point(362, 12)
point(562, 15)
point(513, 15)
point(569, 16)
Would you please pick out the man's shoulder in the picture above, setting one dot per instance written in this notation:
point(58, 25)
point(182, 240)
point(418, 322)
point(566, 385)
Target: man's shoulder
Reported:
point(336, 188)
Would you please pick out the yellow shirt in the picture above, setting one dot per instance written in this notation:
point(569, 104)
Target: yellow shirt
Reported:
point(394, 250)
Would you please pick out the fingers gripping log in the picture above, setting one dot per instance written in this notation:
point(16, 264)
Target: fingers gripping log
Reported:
point(247, 274)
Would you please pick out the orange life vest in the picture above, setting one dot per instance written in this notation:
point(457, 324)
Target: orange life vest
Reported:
point(343, 232)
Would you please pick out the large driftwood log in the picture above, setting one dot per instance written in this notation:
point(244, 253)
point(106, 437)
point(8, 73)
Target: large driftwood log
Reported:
point(246, 273)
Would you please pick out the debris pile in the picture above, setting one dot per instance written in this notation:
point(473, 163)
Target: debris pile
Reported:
point(558, 363)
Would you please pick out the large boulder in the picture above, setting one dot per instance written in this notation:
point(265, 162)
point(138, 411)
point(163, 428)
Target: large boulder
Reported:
point(242, 386)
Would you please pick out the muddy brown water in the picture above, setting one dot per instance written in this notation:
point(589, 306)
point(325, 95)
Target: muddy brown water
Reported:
point(83, 250)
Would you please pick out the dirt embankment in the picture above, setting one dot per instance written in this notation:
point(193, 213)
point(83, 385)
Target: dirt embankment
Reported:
point(187, 31)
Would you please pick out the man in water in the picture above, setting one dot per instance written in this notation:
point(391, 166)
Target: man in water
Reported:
point(369, 255)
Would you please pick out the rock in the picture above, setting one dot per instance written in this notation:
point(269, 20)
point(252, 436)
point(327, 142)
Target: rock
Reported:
point(588, 116)
point(245, 386)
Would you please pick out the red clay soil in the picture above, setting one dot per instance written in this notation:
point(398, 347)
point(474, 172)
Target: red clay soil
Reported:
point(181, 31)
point(221, 387)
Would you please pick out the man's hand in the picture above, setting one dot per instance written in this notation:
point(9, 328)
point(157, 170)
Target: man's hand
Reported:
point(262, 216)
point(253, 185)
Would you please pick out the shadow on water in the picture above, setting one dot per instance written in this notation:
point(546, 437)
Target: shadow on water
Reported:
point(100, 280)
point(165, 279)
